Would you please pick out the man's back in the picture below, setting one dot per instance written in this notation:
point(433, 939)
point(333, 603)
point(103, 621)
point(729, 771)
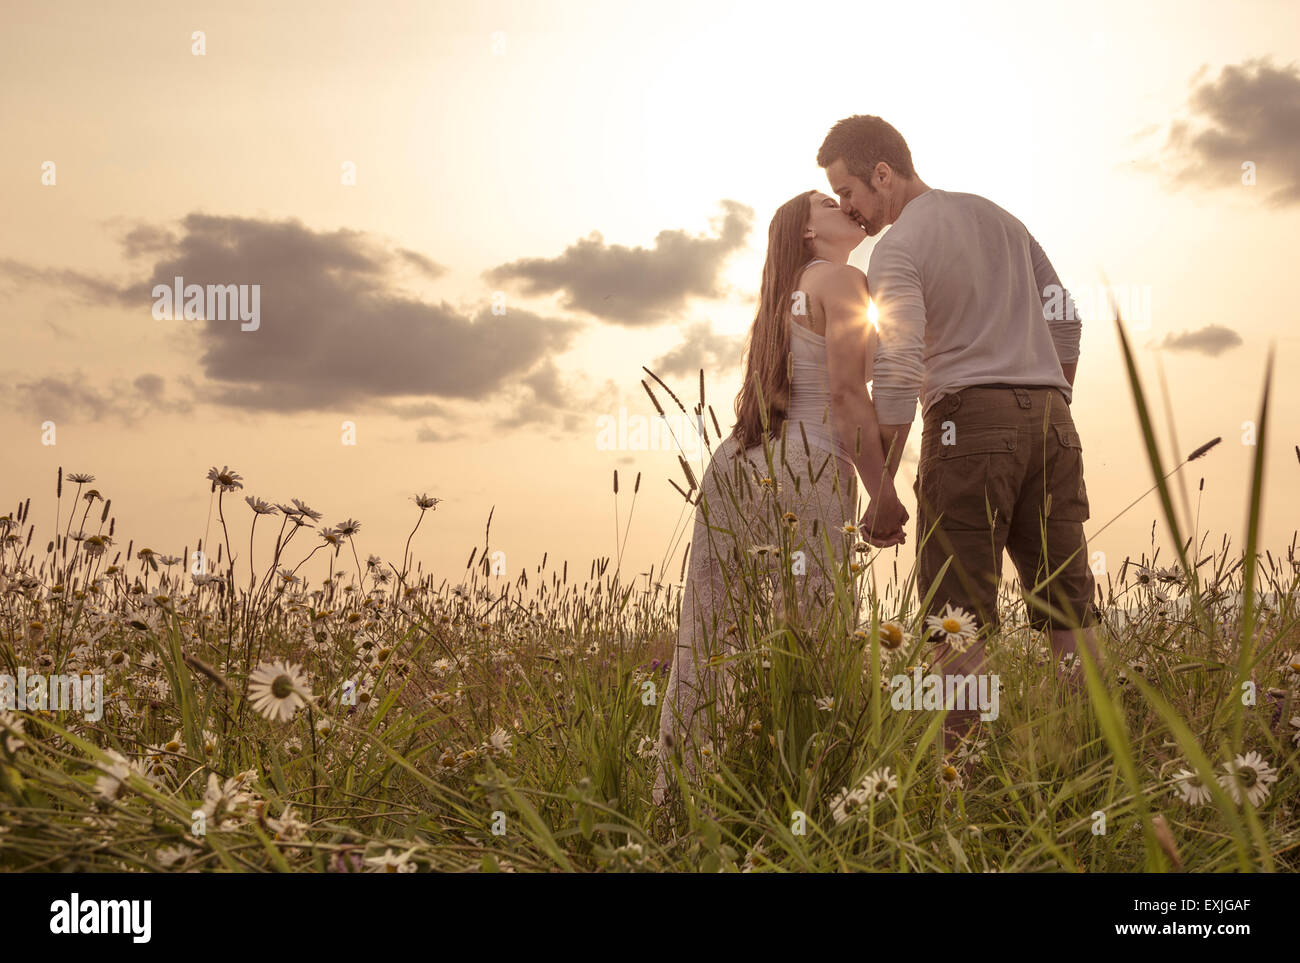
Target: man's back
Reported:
point(960, 286)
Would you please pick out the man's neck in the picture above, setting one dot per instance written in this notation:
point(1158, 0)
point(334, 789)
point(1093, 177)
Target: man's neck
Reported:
point(915, 188)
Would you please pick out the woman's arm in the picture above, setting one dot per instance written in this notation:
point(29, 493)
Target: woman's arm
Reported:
point(843, 293)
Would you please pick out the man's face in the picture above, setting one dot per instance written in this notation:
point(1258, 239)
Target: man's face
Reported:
point(863, 202)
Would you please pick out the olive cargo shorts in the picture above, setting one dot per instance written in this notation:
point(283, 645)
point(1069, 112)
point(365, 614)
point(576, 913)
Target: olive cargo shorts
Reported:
point(1002, 468)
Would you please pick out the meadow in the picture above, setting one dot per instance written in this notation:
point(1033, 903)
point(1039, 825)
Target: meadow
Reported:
point(386, 720)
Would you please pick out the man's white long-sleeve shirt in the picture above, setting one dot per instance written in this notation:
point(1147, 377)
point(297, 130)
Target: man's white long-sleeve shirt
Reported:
point(965, 296)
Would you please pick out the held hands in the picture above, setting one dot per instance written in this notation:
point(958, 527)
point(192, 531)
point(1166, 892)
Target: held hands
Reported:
point(883, 523)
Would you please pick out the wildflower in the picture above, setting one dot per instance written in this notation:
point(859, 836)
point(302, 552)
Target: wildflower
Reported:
point(1249, 772)
point(848, 528)
point(388, 863)
point(646, 747)
point(892, 635)
point(35, 631)
point(259, 506)
point(80, 478)
point(762, 551)
point(847, 803)
point(957, 626)
point(448, 758)
point(498, 743)
point(222, 801)
point(159, 762)
point(108, 786)
point(278, 690)
point(791, 519)
point(427, 501)
point(96, 545)
point(227, 479)
point(826, 703)
point(349, 528)
point(169, 856)
point(970, 750)
point(880, 783)
point(1190, 789)
point(288, 826)
point(950, 777)
point(207, 744)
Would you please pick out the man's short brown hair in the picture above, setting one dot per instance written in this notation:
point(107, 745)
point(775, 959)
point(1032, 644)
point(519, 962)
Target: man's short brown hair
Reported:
point(863, 141)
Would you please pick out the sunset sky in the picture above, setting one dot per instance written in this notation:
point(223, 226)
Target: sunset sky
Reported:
point(603, 174)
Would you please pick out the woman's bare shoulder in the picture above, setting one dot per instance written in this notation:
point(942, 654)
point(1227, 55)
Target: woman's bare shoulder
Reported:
point(829, 276)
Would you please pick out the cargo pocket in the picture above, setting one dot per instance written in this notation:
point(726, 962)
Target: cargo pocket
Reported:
point(1068, 498)
point(974, 483)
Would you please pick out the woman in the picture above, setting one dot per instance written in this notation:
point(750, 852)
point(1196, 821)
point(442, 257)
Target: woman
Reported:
point(776, 510)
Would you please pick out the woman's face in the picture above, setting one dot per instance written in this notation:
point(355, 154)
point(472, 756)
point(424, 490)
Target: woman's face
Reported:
point(830, 223)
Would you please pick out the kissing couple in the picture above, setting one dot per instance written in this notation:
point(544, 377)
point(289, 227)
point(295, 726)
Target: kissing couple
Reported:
point(969, 322)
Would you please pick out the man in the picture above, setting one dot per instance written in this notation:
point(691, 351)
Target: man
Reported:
point(973, 318)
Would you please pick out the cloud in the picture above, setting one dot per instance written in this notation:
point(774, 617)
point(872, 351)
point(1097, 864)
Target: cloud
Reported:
point(426, 266)
point(546, 398)
point(65, 281)
point(76, 399)
point(701, 347)
point(633, 285)
point(334, 329)
point(1250, 113)
point(1213, 340)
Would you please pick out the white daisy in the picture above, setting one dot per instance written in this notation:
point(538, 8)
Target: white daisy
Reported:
point(880, 783)
point(826, 703)
point(278, 690)
point(498, 743)
point(954, 625)
point(388, 863)
point(1190, 789)
point(848, 803)
point(1250, 773)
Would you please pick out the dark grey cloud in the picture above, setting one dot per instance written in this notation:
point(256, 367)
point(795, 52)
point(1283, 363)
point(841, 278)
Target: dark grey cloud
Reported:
point(334, 330)
point(700, 347)
point(1213, 339)
point(1249, 113)
point(633, 285)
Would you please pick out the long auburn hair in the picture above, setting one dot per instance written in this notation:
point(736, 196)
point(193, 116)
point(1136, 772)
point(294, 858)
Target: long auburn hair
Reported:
point(765, 390)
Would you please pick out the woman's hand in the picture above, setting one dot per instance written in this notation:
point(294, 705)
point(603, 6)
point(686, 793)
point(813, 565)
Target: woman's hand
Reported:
point(883, 523)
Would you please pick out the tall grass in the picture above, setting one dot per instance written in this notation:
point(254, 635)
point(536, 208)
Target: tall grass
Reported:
point(509, 725)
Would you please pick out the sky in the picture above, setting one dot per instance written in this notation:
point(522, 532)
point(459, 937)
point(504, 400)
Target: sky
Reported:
point(471, 225)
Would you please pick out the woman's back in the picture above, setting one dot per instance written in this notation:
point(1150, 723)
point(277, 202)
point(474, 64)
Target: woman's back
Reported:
point(810, 394)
